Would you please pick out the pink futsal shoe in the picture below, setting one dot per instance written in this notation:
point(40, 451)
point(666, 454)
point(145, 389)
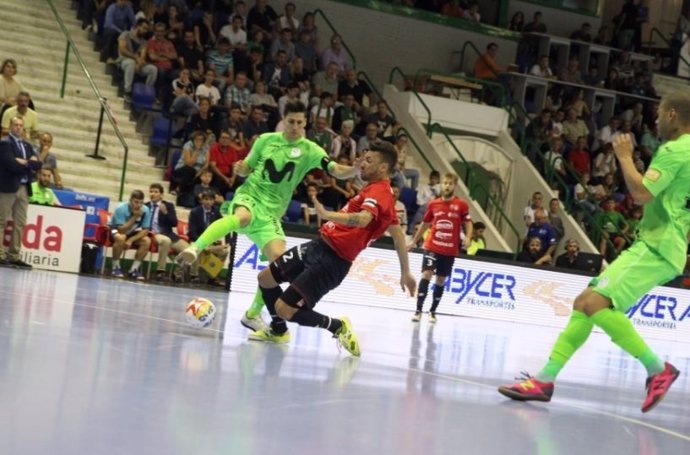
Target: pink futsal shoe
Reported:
point(658, 385)
point(529, 389)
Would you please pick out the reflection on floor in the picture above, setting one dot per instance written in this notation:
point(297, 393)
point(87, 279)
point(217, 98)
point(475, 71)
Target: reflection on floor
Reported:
point(99, 366)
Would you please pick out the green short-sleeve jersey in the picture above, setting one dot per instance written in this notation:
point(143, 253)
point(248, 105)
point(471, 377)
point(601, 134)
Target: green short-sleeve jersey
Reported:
point(611, 222)
point(278, 166)
point(666, 219)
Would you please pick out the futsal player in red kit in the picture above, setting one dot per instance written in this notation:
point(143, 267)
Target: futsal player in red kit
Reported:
point(318, 266)
point(446, 216)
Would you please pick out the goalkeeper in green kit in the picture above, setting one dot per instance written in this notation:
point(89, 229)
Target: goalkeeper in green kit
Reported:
point(276, 164)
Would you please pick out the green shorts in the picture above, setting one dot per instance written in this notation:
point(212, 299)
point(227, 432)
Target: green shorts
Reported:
point(634, 273)
point(265, 225)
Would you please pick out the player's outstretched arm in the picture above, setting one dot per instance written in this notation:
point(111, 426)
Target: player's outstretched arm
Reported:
point(360, 219)
point(407, 281)
point(344, 172)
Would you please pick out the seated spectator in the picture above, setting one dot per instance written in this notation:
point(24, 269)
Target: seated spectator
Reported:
point(131, 47)
point(206, 185)
point(283, 42)
point(342, 189)
point(346, 111)
point(174, 19)
point(291, 94)
point(583, 33)
point(336, 54)
point(304, 49)
point(183, 91)
point(571, 259)
point(400, 208)
point(119, 18)
point(554, 161)
point(24, 112)
point(222, 158)
point(262, 99)
point(298, 73)
point(624, 65)
point(602, 36)
point(532, 253)
point(9, 86)
point(204, 30)
point(255, 126)
point(635, 117)
point(321, 134)
point(194, 158)
point(162, 53)
point(235, 34)
point(486, 67)
point(613, 227)
point(205, 119)
point(587, 196)
point(613, 80)
point(547, 235)
point(289, 19)
point(343, 144)
point(235, 126)
point(535, 203)
point(626, 128)
point(371, 134)
point(425, 194)
point(410, 174)
point(350, 85)
point(309, 26)
point(650, 141)
point(571, 73)
point(239, 93)
point(48, 158)
point(326, 80)
point(309, 215)
point(129, 225)
point(536, 25)
point(606, 133)
point(517, 22)
point(593, 78)
point(579, 157)
point(276, 74)
point(200, 217)
point(163, 229)
point(576, 101)
point(472, 13)
point(452, 8)
point(384, 121)
point(191, 57)
point(574, 127)
point(41, 193)
point(261, 17)
point(633, 222)
point(220, 60)
point(542, 68)
point(323, 109)
point(477, 242)
point(539, 128)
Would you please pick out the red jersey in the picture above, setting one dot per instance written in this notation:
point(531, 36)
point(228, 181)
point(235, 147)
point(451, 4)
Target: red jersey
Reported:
point(349, 241)
point(224, 159)
point(446, 219)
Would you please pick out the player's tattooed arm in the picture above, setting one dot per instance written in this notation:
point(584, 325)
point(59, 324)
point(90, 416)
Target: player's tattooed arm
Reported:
point(359, 219)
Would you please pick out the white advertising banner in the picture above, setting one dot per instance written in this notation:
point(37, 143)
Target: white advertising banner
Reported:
point(52, 238)
point(482, 289)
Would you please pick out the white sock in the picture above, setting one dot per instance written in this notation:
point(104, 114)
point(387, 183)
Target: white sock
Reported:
point(116, 263)
point(136, 264)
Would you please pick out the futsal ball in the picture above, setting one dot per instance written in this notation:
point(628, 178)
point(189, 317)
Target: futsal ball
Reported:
point(200, 312)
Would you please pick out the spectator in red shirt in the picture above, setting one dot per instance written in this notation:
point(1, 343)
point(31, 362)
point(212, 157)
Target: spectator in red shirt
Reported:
point(315, 268)
point(222, 157)
point(579, 156)
point(446, 216)
point(162, 53)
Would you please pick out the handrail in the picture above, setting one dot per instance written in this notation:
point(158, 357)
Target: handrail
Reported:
point(318, 11)
point(497, 206)
point(396, 69)
point(484, 83)
point(655, 30)
point(103, 102)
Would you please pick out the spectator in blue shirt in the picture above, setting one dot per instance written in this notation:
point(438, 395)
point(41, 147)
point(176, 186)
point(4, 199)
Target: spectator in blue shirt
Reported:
point(129, 226)
point(542, 230)
point(119, 17)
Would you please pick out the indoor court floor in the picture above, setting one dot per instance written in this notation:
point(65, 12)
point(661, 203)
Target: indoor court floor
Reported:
point(100, 366)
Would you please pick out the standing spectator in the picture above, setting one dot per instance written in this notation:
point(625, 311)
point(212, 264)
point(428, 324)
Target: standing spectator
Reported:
point(220, 60)
point(18, 163)
point(336, 54)
point(129, 226)
point(536, 25)
point(343, 144)
point(23, 111)
point(477, 242)
point(627, 22)
point(191, 57)
point(9, 86)
point(204, 31)
point(681, 33)
point(425, 194)
point(446, 215)
point(48, 158)
point(119, 18)
point(131, 46)
point(163, 227)
point(41, 193)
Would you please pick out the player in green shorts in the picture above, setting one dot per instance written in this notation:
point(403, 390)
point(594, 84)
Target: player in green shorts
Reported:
point(657, 256)
point(277, 163)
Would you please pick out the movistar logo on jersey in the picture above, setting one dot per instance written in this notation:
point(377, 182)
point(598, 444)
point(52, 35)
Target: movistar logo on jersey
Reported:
point(277, 176)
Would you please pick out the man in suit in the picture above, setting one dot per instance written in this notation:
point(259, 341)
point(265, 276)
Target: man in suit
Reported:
point(18, 164)
point(163, 227)
point(199, 219)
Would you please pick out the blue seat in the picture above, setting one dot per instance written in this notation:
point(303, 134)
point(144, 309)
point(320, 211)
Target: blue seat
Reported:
point(163, 131)
point(408, 196)
point(294, 211)
point(143, 96)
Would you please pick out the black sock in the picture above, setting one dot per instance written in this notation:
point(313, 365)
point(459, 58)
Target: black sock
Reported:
point(311, 318)
point(438, 293)
point(271, 296)
point(421, 293)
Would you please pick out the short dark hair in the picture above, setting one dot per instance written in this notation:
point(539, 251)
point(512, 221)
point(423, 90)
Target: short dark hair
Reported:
point(143, 20)
point(478, 225)
point(388, 152)
point(137, 194)
point(295, 107)
point(207, 194)
point(156, 186)
point(436, 174)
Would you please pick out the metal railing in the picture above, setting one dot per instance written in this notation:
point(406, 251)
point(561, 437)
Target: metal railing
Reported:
point(318, 12)
point(391, 76)
point(105, 109)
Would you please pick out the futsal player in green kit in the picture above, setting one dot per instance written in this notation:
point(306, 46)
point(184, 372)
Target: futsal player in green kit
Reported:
point(277, 163)
point(656, 257)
